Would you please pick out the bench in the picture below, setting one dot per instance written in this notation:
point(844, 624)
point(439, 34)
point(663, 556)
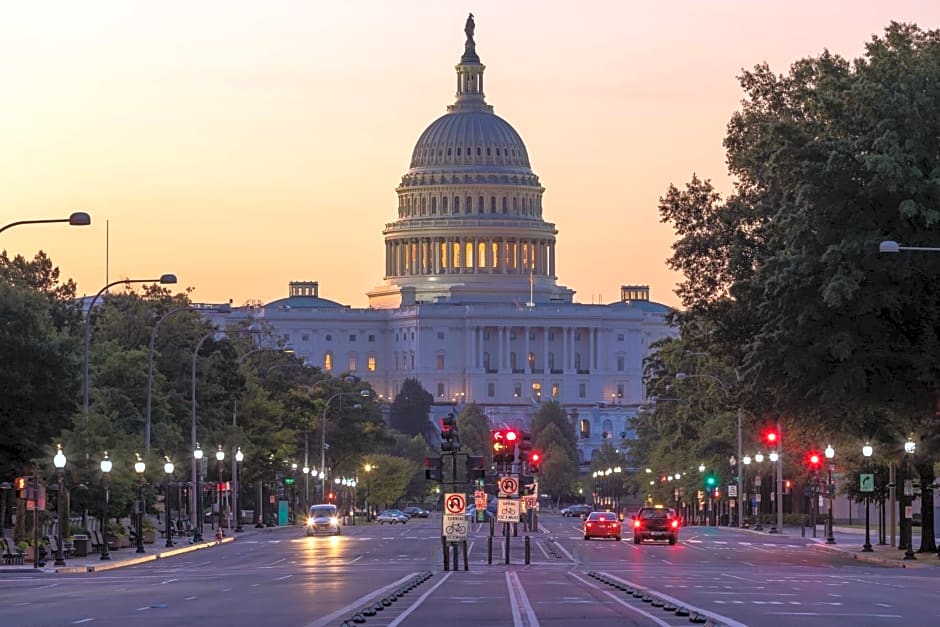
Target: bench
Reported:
point(97, 541)
point(53, 548)
point(10, 555)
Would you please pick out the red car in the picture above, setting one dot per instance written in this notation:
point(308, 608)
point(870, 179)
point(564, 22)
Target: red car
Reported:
point(602, 525)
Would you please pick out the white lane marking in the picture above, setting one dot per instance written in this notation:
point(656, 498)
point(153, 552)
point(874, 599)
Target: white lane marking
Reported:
point(283, 578)
point(622, 602)
point(141, 609)
point(354, 561)
point(51, 585)
point(168, 581)
point(358, 603)
point(883, 604)
point(190, 598)
point(401, 617)
point(283, 559)
point(565, 551)
point(728, 621)
point(82, 620)
point(834, 614)
point(520, 602)
point(734, 577)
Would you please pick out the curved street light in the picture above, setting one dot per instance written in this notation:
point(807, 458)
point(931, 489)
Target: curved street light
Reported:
point(77, 218)
point(105, 466)
point(165, 279)
point(168, 471)
point(363, 394)
point(139, 468)
point(59, 463)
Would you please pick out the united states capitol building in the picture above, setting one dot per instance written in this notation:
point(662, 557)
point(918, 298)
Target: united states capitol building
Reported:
point(470, 303)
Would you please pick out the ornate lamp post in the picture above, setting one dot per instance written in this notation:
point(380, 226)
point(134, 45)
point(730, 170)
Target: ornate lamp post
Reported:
point(746, 460)
point(774, 458)
point(759, 459)
point(139, 468)
point(106, 474)
point(368, 468)
point(830, 491)
point(197, 514)
point(867, 451)
point(168, 470)
point(910, 447)
point(219, 458)
point(239, 458)
point(59, 462)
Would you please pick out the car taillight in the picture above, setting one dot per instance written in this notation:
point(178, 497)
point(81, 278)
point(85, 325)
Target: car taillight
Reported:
point(675, 524)
point(589, 524)
point(636, 524)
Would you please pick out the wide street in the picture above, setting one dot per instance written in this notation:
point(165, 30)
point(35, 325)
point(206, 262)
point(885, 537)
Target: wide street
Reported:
point(277, 577)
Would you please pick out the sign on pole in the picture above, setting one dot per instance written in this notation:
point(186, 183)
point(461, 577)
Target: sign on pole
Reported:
point(531, 502)
point(732, 490)
point(507, 510)
point(479, 498)
point(455, 527)
point(455, 503)
point(508, 486)
point(866, 482)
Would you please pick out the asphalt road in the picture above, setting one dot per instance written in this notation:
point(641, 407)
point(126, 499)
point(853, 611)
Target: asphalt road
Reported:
point(276, 577)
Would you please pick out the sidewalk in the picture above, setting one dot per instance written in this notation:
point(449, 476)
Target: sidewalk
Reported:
point(128, 556)
point(849, 541)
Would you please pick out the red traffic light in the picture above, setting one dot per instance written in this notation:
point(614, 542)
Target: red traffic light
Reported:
point(814, 459)
point(772, 438)
point(511, 436)
point(535, 458)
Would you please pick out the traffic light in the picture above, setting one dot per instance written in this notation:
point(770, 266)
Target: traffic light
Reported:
point(499, 447)
point(814, 458)
point(433, 469)
point(20, 485)
point(787, 486)
point(449, 441)
point(512, 438)
point(476, 468)
point(535, 459)
point(711, 481)
point(524, 445)
point(772, 438)
point(288, 481)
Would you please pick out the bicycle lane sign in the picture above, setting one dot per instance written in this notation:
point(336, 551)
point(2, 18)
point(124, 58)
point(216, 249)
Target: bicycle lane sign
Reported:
point(455, 527)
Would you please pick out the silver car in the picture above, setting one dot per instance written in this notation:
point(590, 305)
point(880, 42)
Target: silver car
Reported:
point(391, 516)
point(322, 519)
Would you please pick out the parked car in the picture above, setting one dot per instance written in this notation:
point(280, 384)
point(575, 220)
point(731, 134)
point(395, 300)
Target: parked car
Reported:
point(417, 512)
point(391, 516)
point(577, 510)
point(322, 519)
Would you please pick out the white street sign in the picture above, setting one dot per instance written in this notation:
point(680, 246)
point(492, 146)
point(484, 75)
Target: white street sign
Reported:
point(455, 503)
point(455, 527)
point(507, 510)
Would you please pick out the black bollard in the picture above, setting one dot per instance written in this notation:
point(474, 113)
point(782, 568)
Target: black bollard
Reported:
point(528, 550)
point(466, 563)
point(507, 544)
point(446, 556)
point(489, 549)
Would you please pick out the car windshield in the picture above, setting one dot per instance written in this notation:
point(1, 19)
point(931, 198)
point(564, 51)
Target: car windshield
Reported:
point(602, 516)
point(320, 511)
point(654, 513)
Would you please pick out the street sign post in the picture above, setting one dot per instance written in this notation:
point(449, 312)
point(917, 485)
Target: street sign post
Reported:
point(508, 486)
point(507, 510)
point(455, 527)
point(866, 482)
point(455, 503)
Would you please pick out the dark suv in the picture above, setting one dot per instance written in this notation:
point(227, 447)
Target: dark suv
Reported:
point(655, 523)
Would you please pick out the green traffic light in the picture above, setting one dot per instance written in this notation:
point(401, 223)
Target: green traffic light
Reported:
point(710, 481)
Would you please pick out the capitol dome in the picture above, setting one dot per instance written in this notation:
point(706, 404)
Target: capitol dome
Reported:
point(470, 226)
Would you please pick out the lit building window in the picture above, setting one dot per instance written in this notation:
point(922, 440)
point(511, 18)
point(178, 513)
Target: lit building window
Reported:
point(352, 363)
point(371, 363)
point(555, 390)
point(440, 361)
point(440, 390)
point(328, 362)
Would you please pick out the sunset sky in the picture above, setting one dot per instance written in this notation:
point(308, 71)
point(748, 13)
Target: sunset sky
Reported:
point(245, 144)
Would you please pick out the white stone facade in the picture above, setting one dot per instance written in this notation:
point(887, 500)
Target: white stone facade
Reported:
point(469, 304)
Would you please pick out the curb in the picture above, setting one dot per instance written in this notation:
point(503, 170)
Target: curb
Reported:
point(872, 559)
point(100, 567)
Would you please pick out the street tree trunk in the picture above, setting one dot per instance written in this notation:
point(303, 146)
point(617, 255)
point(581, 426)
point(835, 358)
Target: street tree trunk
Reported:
point(928, 543)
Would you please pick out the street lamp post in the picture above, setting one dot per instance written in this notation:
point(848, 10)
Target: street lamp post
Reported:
point(775, 489)
point(139, 468)
point(197, 495)
point(910, 447)
point(830, 491)
point(867, 451)
point(363, 394)
point(168, 471)
point(106, 475)
point(5, 487)
point(165, 279)
point(368, 468)
point(239, 458)
point(219, 458)
point(77, 218)
point(746, 460)
point(758, 491)
point(59, 462)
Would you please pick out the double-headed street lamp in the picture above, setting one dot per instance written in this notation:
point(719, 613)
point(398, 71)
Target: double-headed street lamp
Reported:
point(326, 406)
point(139, 468)
point(77, 218)
point(105, 466)
point(59, 463)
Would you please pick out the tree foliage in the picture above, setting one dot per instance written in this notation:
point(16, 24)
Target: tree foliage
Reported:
point(411, 408)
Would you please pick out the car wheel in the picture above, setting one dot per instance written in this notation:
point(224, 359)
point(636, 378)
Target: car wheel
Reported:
point(586, 537)
point(617, 538)
point(672, 540)
point(636, 539)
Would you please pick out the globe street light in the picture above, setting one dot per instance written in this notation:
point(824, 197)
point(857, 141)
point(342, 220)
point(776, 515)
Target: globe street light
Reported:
point(59, 462)
point(239, 458)
point(910, 447)
point(168, 471)
point(867, 451)
point(219, 458)
point(77, 218)
point(197, 497)
point(105, 466)
point(747, 462)
point(830, 490)
point(368, 468)
point(165, 279)
point(139, 468)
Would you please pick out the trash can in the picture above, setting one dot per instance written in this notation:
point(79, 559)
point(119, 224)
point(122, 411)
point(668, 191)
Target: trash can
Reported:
point(80, 545)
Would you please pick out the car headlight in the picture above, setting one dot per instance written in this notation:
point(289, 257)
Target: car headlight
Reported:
point(309, 521)
point(334, 521)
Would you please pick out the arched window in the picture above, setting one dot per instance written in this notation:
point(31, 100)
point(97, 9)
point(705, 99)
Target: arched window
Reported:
point(492, 204)
point(512, 360)
point(480, 204)
point(505, 205)
point(585, 429)
point(456, 204)
point(328, 362)
point(551, 361)
point(531, 362)
point(608, 429)
point(444, 204)
point(434, 206)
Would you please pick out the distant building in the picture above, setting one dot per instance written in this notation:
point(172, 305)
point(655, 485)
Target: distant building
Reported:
point(470, 305)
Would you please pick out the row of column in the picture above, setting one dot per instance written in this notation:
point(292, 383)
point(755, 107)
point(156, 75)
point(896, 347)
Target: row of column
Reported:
point(504, 344)
point(469, 255)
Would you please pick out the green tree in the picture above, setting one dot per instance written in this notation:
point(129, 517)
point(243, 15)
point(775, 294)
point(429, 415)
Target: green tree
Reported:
point(552, 414)
point(411, 408)
point(475, 432)
point(389, 481)
point(558, 473)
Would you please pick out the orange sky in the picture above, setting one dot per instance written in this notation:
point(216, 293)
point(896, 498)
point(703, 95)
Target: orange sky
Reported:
point(242, 145)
